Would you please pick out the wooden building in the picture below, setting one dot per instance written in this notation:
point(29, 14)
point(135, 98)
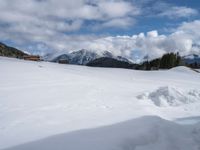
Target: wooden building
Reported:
point(32, 57)
point(63, 61)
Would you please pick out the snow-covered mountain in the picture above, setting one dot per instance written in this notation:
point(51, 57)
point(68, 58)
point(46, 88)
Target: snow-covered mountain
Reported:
point(83, 56)
point(191, 59)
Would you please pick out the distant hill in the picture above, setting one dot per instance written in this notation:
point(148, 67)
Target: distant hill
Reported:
point(11, 51)
point(110, 62)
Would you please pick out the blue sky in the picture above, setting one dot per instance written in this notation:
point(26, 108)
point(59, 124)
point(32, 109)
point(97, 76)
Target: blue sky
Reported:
point(150, 21)
point(124, 27)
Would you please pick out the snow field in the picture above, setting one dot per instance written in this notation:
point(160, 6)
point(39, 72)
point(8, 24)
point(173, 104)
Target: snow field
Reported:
point(41, 99)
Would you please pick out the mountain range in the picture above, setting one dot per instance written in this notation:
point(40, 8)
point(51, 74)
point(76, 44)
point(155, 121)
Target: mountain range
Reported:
point(83, 57)
point(92, 58)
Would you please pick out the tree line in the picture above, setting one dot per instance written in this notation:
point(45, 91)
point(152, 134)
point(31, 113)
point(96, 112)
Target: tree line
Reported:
point(167, 61)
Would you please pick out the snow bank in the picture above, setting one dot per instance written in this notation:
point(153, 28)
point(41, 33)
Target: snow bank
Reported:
point(182, 69)
point(146, 133)
point(170, 96)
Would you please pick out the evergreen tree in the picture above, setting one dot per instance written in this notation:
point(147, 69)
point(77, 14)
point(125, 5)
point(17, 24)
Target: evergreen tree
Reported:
point(167, 61)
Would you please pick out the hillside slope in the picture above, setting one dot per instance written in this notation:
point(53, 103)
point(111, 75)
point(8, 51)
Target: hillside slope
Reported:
point(109, 62)
point(41, 99)
point(10, 51)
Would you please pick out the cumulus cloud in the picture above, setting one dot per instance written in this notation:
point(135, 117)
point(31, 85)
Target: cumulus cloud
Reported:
point(51, 11)
point(47, 22)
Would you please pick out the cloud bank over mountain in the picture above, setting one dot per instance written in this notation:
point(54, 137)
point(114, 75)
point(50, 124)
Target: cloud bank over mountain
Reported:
point(185, 40)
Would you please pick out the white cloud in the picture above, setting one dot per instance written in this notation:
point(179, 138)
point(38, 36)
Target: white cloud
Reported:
point(119, 22)
point(161, 8)
point(114, 9)
point(178, 12)
point(152, 34)
point(13, 11)
point(46, 21)
point(191, 30)
point(186, 40)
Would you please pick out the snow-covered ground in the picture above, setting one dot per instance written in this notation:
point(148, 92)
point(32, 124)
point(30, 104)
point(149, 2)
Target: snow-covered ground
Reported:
point(146, 133)
point(41, 99)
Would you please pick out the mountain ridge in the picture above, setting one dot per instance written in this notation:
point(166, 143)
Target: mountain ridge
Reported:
point(8, 51)
point(83, 57)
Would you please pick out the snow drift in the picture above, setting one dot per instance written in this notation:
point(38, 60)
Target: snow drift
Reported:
point(146, 133)
point(171, 96)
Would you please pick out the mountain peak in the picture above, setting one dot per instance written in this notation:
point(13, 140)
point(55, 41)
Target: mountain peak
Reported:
point(107, 54)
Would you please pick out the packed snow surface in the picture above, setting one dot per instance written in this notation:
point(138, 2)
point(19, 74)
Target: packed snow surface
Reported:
point(41, 99)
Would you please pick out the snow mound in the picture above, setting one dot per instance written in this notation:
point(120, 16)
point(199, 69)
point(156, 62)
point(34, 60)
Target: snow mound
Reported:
point(170, 96)
point(146, 133)
point(182, 69)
